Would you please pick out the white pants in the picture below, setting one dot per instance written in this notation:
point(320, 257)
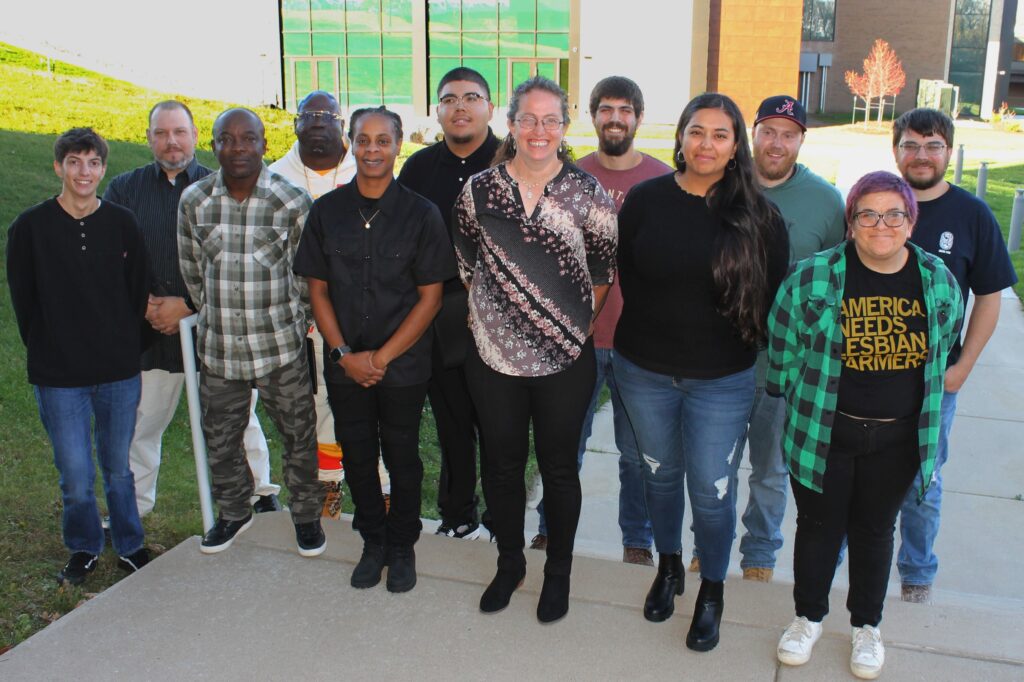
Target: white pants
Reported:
point(161, 392)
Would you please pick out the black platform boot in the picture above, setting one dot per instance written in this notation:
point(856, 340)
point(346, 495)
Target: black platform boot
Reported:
point(660, 602)
point(707, 616)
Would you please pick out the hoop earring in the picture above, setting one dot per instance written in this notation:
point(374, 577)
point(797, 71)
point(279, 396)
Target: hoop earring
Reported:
point(732, 164)
point(679, 156)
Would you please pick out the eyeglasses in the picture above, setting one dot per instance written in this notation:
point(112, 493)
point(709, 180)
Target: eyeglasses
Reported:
point(930, 148)
point(550, 123)
point(891, 219)
point(469, 99)
point(317, 116)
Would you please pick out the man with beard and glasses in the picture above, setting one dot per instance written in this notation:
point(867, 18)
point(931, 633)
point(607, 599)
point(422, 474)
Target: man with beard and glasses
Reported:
point(318, 162)
point(152, 193)
point(439, 172)
point(961, 230)
point(616, 110)
point(813, 211)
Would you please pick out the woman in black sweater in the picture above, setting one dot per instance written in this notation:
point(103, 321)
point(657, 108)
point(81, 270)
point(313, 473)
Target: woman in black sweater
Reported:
point(701, 253)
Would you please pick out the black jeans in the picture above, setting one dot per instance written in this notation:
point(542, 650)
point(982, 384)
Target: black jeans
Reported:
point(870, 466)
point(381, 421)
point(556, 405)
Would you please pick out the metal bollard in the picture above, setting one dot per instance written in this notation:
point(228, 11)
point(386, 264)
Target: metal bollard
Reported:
point(1016, 218)
point(982, 180)
point(958, 173)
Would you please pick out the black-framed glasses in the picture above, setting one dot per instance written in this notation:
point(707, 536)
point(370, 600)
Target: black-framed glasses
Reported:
point(528, 122)
point(930, 148)
point(891, 219)
point(469, 99)
point(318, 116)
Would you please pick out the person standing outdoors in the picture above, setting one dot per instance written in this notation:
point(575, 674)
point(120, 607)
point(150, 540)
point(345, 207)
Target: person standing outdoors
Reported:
point(79, 282)
point(238, 230)
point(439, 172)
point(616, 110)
point(961, 230)
point(152, 192)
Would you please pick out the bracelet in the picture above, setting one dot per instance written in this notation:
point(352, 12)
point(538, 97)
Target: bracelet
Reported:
point(369, 361)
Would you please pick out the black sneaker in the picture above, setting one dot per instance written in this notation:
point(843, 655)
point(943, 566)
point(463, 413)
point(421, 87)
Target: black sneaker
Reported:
point(310, 538)
point(401, 569)
point(466, 531)
point(370, 566)
point(266, 503)
point(134, 561)
point(223, 534)
point(80, 565)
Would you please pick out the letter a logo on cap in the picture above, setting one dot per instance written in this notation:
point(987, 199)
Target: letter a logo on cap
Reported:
point(786, 108)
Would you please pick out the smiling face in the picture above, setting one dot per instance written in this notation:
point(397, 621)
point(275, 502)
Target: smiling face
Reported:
point(172, 138)
point(375, 146)
point(615, 122)
point(776, 147)
point(239, 144)
point(708, 143)
point(920, 169)
point(881, 245)
point(464, 121)
point(538, 145)
point(81, 173)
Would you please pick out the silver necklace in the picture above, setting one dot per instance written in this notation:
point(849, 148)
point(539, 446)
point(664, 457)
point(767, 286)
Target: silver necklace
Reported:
point(367, 221)
point(530, 186)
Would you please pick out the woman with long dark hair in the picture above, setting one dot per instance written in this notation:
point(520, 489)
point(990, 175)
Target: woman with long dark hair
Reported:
point(535, 241)
point(701, 253)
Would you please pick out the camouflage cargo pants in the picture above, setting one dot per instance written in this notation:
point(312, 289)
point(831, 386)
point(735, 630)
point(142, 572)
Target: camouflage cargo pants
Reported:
point(288, 399)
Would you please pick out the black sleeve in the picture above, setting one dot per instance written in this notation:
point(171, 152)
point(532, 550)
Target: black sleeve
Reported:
point(435, 257)
point(310, 260)
point(629, 219)
point(21, 275)
point(137, 270)
point(778, 254)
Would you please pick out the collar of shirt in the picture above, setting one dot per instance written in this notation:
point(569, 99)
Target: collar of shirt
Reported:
point(386, 204)
point(261, 190)
point(481, 156)
point(188, 172)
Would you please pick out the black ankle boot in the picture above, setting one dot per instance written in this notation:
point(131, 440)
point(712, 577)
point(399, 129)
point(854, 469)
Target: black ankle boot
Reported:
point(707, 616)
point(554, 598)
point(499, 592)
point(660, 602)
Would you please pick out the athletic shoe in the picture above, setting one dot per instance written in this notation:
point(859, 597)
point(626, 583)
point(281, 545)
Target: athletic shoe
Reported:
point(798, 640)
point(134, 561)
point(223, 534)
point(310, 538)
point(466, 531)
point(80, 565)
point(266, 503)
point(868, 655)
point(916, 594)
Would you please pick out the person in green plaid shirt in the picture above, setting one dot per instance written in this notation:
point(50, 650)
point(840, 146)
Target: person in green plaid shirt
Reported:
point(858, 339)
point(238, 230)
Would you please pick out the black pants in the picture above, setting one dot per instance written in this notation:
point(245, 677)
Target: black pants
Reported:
point(556, 405)
point(457, 425)
point(381, 421)
point(870, 466)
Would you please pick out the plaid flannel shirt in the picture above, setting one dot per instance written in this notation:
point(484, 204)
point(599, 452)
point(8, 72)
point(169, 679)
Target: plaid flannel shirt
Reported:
point(805, 347)
point(236, 260)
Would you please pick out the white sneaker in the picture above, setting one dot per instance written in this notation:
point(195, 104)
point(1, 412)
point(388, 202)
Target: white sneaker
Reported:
point(798, 641)
point(868, 655)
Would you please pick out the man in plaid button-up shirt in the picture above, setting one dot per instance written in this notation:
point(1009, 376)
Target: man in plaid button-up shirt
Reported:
point(238, 230)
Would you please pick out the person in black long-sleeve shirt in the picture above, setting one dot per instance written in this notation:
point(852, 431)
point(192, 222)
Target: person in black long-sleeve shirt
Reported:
point(79, 281)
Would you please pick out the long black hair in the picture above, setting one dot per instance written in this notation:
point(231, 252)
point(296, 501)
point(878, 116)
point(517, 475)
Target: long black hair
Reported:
point(749, 221)
point(507, 148)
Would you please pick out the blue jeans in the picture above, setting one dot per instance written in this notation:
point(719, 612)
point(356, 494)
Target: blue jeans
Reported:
point(72, 417)
point(919, 523)
point(687, 430)
point(633, 520)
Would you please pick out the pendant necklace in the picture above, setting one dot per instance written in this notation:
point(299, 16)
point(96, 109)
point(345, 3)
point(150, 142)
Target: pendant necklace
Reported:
point(367, 221)
point(305, 176)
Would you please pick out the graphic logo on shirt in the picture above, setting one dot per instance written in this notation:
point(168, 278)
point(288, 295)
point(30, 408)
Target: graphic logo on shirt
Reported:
point(878, 335)
point(945, 242)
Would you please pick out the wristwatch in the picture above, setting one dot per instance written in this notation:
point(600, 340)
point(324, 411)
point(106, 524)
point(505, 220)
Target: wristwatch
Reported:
point(338, 353)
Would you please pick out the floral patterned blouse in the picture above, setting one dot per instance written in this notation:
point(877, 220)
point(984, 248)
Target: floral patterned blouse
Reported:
point(532, 278)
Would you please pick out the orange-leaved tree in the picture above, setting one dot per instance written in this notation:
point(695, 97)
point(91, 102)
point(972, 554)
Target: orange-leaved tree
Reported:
point(883, 76)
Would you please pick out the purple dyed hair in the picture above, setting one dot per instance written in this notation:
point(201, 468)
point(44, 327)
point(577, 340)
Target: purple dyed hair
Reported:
point(880, 181)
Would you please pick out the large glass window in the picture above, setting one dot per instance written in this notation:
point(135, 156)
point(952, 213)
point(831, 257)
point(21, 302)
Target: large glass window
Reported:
point(967, 56)
point(819, 20)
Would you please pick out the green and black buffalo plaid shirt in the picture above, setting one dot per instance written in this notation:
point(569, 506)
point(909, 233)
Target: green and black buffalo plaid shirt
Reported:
point(805, 347)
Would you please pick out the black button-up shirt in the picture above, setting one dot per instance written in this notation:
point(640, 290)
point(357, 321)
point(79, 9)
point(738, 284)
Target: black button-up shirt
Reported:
point(372, 274)
point(146, 192)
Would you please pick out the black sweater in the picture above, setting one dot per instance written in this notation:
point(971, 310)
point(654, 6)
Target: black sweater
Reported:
point(79, 289)
point(670, 323)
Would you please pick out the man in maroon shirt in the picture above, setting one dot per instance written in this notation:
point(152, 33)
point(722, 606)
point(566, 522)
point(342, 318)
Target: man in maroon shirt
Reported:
point(617, 109)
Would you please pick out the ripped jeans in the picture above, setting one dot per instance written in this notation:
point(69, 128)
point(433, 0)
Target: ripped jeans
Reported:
point(687, 430)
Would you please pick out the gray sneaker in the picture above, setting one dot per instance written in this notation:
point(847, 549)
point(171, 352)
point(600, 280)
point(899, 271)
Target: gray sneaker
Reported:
point(916, 594)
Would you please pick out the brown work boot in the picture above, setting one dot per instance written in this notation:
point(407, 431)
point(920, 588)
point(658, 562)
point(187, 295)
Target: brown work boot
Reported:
point(694, 565)
point(916, 594)
point(637, 555)
point(758, 574)
point(539, 542)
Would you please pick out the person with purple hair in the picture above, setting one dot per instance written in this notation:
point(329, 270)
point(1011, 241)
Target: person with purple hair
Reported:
point(858, 339)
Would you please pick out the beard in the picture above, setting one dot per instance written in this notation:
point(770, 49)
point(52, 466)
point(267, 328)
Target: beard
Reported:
point(173, 165)
point(777, 173)
point(616, 147)
point(459, 139)
point(925, 183)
